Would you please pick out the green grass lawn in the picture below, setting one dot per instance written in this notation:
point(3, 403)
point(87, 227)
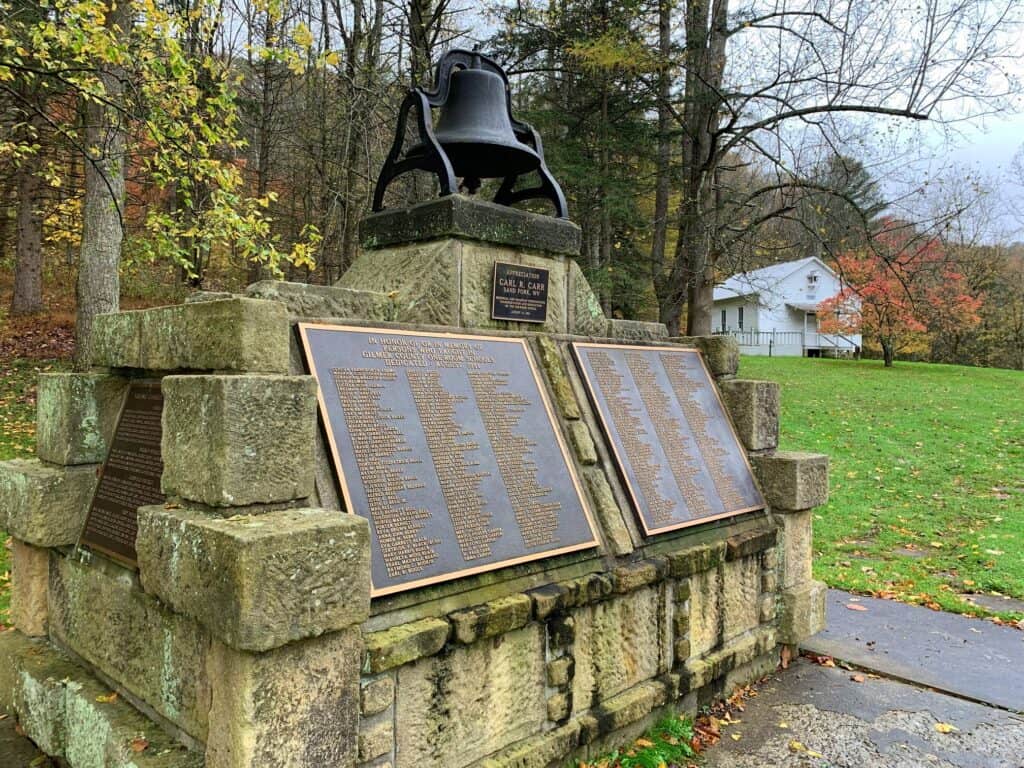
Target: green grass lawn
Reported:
point(927, 475)
point(17, 435)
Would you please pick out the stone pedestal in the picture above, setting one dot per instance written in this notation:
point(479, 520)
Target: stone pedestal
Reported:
point(247, 637)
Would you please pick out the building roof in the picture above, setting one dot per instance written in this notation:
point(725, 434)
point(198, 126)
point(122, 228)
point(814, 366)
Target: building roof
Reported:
point(762, 280)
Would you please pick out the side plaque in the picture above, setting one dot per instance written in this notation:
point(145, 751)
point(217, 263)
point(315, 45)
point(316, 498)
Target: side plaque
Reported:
point(131, 474)
point(448, 445)
point(674, 444)
point(519, 293)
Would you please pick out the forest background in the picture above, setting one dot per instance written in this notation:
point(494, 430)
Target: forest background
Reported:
point(148, 149)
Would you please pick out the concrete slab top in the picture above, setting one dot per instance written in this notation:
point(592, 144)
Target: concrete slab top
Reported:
point(967, 657)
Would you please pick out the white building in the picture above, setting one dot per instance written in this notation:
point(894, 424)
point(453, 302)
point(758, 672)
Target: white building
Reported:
point(774, 310)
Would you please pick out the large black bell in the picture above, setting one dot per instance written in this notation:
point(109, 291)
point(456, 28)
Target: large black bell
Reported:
point(476, 137)
point(475, 130)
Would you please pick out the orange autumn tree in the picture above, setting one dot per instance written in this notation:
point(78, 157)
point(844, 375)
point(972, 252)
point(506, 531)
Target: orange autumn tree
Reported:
point(897, 288)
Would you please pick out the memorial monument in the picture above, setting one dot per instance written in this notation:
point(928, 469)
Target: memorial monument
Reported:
point(443, 513)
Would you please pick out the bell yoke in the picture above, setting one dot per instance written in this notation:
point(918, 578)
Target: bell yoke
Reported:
point(476, 136)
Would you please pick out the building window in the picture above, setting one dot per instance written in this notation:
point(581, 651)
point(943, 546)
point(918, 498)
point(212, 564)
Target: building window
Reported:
point(812, 279)
point(723, 321)
point(739, 318)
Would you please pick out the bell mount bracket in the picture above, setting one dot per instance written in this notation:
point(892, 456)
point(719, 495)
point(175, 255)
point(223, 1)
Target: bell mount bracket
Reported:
point(433, 159)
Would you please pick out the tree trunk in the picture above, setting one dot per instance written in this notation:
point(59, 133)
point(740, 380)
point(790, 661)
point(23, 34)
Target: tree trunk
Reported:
point(888, 353)
point(662, 179)
point(98, 284)
point(28, 266)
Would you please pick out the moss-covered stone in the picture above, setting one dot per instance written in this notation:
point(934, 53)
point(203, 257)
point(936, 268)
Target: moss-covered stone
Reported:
point(238, 440)
point(29, 575)
point(491, 619)
point(793, 480)
point(404, 644)
point(297, 705)
point(76, 414)
point(693, 560)
point(560, 672)
point(749, 543)
point(619, 644)
point(258, 581)
point(797, 548)
point(582, 442)
point(705, 611)
point(323, 301)
point(754, 408)
point(554, 366)
point(586, 318)
point(539, 751)
point(72, 716)
point(743, 650)
point(236, 334)
point(472, 219)
point(607, 511)
point(559, 707)
point(376, 740)
point(624, 709)
point(741, 593)
point(100, 612)
point(458, 707)
point(45, 504)
point(628, 578)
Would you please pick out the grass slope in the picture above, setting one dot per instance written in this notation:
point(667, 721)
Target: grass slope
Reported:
point(927, 491)
point(17, 435)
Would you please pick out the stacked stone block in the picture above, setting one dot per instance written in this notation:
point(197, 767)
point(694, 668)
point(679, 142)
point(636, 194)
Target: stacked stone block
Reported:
point(247, 634)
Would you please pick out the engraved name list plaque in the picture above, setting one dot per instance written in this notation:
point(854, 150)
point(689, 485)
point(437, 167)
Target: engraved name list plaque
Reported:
point(131, 474)
point(448, 445)
point(673, 442)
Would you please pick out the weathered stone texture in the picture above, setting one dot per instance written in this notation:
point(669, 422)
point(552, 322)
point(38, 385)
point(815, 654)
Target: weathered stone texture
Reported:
point(76, 415)
point(607, 511)
point(473, 219)
point(745, 649)
point(797, 548)
point(705, 611)
point(71, 715)
point(294, 707)
point(741, 592)
point(754, 408)
point(586, 318)
point(44, 504)
point(802, 612)
point(491, 619)
point(403, 644)
point(538, 751)
point(258, 581)
point(30, 567)
point(582, 442)
point(628, 578)
point(458, 707)
point(624, 709)
point(376, 696)
point(560, 671)
point(323, 301)
point(559, 707)
point(749, 543)
point(687, 562)
point(431, 298)
point(237, 440)
point(618, 644)
point(477, 281)
point(637, 330)
point(376, 740)
point(554, 365)
point(721, 353)
point(100, 612)
point(792, 480)
point(235, 334)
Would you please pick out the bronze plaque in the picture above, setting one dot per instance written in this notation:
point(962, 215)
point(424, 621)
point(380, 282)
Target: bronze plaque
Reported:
point(130, 476)
point(448, 445)
point(674, 444)
point(520, 293)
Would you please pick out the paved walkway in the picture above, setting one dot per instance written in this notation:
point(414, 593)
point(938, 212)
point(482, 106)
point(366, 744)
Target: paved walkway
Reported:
point(812, 716)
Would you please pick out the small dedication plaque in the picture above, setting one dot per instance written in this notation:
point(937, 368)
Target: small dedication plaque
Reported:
point(131, 474)
point(520, 293)
point(447, 444)
point(673, 441)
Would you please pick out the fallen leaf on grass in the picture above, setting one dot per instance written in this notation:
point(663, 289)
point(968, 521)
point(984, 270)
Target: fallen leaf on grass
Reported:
point(139, 744)
point(856, 607)
point(946, 728)
point(783, 725)
point(735, 736)
point(108, 698)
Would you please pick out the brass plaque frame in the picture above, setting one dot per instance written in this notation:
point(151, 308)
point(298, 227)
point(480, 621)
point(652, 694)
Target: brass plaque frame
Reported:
point(624, 464)
point(345, 482)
